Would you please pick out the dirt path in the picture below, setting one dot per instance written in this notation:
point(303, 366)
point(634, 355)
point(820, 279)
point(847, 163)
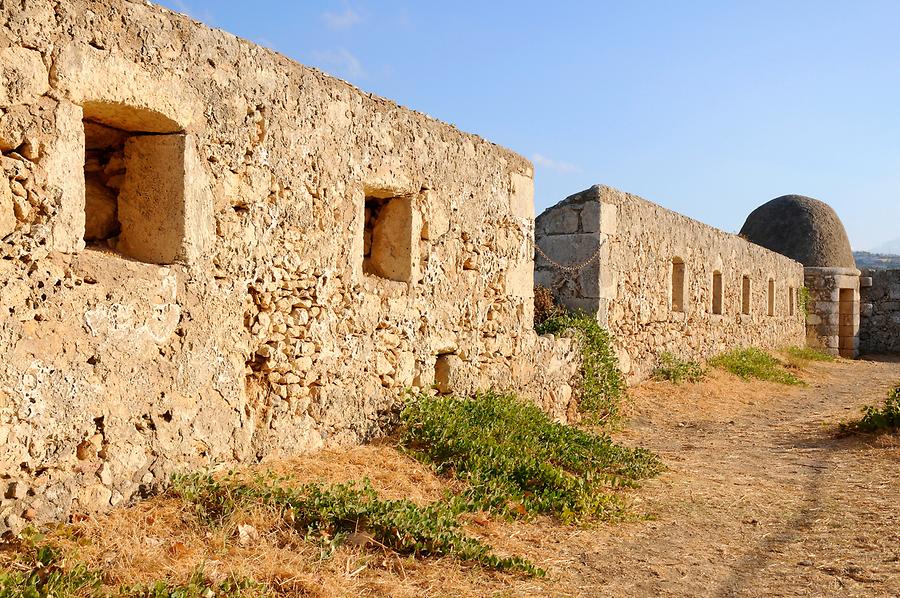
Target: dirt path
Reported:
point(761, 498)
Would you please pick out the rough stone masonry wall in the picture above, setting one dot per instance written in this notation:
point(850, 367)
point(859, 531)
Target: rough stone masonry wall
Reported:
point(879, 330)
point(630, 286)
point(220, 312)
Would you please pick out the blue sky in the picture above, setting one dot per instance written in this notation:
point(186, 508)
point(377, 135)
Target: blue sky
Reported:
point(709, 108)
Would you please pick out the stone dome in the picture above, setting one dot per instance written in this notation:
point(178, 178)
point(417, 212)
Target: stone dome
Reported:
point(802, 228)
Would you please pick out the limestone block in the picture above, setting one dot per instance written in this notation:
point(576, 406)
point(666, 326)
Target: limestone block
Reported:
point(165, 206)
point(13, 127)
point(520, 279)
point(561, 221)
point(449, 376)
point(63, 162)
point(590, 217)
point(394, 252)
point(894, 291)
point(436, 224)
point(7, 215)
point(609, 218)
point(23, 77)
point(123, 94)
point(589, 281)
point(521, 198)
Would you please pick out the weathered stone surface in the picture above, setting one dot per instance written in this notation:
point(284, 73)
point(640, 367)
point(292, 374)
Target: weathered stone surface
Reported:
point(630, 286)
point(7, 214)
point(23, 77)
point(879, 328)
point(261, 335)
point(802, 228)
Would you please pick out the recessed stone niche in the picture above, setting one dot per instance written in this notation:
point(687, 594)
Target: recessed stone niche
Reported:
point(146, 196)
point(390, 238)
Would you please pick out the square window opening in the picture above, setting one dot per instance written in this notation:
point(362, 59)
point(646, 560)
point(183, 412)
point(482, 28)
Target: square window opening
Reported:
point(134, 186)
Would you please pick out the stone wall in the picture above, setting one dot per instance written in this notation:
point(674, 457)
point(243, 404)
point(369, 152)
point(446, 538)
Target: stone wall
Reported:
point(879, 330)
point(832, 323)
point(272, 257)
point(652, 284)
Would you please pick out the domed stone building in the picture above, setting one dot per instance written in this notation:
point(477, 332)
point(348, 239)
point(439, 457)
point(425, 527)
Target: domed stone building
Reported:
point(809, 231)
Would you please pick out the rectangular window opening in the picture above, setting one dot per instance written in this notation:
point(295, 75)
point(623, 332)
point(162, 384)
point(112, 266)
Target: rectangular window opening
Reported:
point(771, 297)
point(745, 295)
point(134, 199)
point(717, 293)
point(678, 284)
point(388, 238)
point(791, 293)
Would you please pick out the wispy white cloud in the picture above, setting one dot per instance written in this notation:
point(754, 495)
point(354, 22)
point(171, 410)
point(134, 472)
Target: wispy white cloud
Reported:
point(340, 62)
point(342, 20)
point(554, 165)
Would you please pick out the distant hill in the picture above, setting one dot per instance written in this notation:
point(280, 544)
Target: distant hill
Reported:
point(884, 261)
point(889, 248)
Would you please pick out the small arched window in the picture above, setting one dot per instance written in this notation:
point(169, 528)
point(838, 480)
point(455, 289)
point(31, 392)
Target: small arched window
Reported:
point(677, 284)
point(717, 292)
point(745, 295)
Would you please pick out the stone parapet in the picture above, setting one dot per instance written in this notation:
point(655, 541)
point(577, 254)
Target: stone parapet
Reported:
point(880, 312)
point(665, 282)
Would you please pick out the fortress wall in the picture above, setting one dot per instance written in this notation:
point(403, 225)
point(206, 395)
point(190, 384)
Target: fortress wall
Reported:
point(273, 256)
point(653, 284)
point(879, 330)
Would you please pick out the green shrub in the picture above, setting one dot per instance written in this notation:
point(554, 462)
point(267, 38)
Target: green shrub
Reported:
point(878, 419)
point(516, 461)
point(808, 354)
point(602, 383)
point(330, 514)
point(754, 363)
point(677, 370)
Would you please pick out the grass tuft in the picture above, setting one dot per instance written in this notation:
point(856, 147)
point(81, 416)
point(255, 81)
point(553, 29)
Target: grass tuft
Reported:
point(677, 370)
point(755, 363)
point(808, 354)
point(878, 419)
point(333, 514)
point(516, 461)
point(602, 383)
point(38, 570)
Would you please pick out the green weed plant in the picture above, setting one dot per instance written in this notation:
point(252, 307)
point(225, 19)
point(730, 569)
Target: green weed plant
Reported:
point(677, 370)
point(755, 363)
point(515, 461)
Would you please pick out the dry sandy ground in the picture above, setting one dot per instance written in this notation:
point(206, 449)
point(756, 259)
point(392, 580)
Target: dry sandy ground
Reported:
point(761, 499)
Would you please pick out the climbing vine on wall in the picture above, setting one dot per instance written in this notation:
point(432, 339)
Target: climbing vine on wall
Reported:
point(602, 382)
point(803, 300)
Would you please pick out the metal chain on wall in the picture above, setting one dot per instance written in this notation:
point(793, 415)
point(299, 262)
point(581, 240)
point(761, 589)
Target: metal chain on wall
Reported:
point(563, 267)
